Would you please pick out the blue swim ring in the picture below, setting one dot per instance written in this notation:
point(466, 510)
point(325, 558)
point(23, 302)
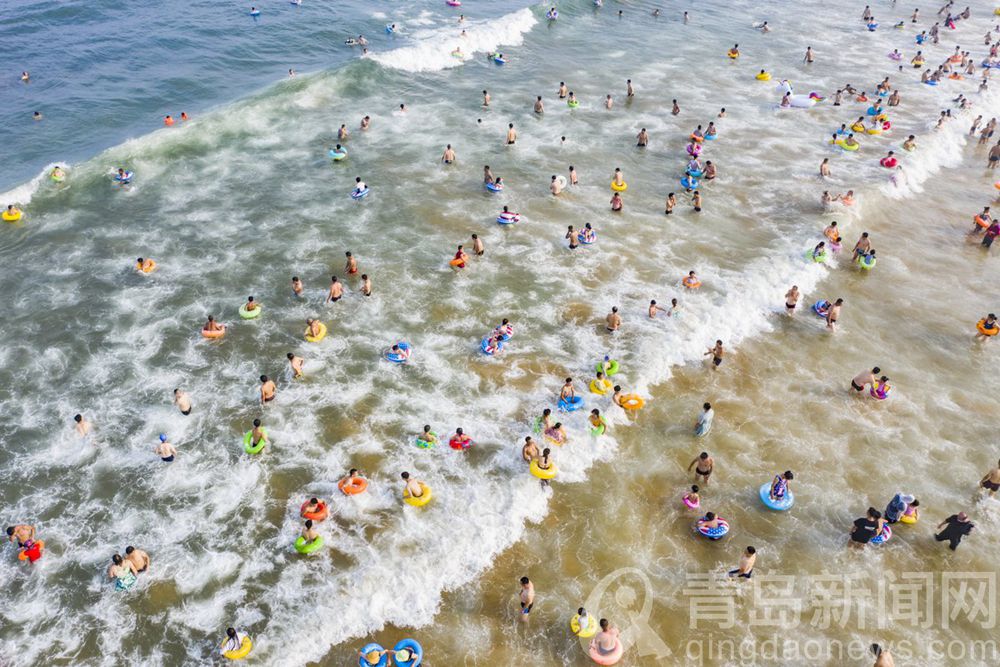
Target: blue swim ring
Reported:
point(337, 156)
point(695, 174)
point(395, 357)
point(583, 239)
point(485, 346)
point(931, 82)
point(368, 648)
point(360, 194)
point(821, 307)
point(493, 187)
point(414, 647)
point(715, 533)
point(255, 12)
point(389, 29)
point(780, 505)
point(884, 537)
point(499, 61)
point(709, 137)
point(871, 111)
point(124, 178)
point(689, 183)
point(571, 404)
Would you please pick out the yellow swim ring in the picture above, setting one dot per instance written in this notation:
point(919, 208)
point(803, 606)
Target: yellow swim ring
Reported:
point(763, 76)
point(243, 651)
point(840, 142)
point(584, 633)
point(908, 518)
point(12, 216)
point(600, 387)
point(424, 498)
point(873, 130)
point(619, 188)
point(632, 402)
point(548, 473)
point(733, 54)
point(318, 337)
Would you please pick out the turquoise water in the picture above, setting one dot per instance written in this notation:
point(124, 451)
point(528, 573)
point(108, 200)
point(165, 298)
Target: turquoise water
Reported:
point(242, 197)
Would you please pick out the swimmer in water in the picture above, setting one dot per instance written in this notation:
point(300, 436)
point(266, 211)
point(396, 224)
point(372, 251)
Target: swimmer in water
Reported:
point(336, 291)
point(705, 465)
point(297, 287)
point(250, 305)
point(366, 285)
point(792, 299)
point(745, 567)
point(366, 122)
point(990, 483)
point(613, 321)
point(351, 266)
point(833, 314)
point(695, 201)
point(138, 558)
point(670, 204)
point(527, 593)
point(573, 238)
point(25, 76)
point(486, 98)
point(268, 390)
point(563, 91)
point(573, 180)
point(716, 352)
point(555, 186)
point(608, 102)
point(675, 109)
point(295, 363)
point(477, 245)
point(449, 155)
point(529, 451)
point(824, 168)
point(342, 133)
point(165, 450)
point(567, 392)
point(413, 486)
point(616, 202)
point(212, 325)
point(642, 139)
point(653, 309)
point(511, 134)
point(183, 402)
point(539, 107)
point(82, 426)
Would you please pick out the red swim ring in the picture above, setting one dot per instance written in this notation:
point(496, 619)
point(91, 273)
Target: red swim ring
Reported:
point(321, 513)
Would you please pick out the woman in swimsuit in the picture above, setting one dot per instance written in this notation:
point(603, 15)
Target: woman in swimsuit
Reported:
point(122, 572)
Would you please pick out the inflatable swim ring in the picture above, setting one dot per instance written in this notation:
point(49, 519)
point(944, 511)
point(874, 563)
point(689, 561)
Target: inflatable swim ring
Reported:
point(694, 173)
point(416, 651)
point(606, 658)
point(360, 194)
point(379, 655)
point(763, 76)
point(619, 188)
point(484, 347)
point(846, 147)
point(465, 442)
point(690, 505)
point(878, 392)
point(821, 308)
point(884, 537)
point(494, 187)
point(612, 367)
point(981, 328)
point(398, 357)
point(931, 82)
point(711, 137)
point(389, 29)
point(714, 533)
point(548, 473)
point(423, 499)
point(124, 179)
point(253, 448)
point(689, 182)
point(11, 216)
point(887, 162)
point(571, 404)
point(582, 238)
point(508, 218)
point(425, 444)
point(817, 258)
point(589, 631)
point(58, 175)
point(32, 553)
point(551, 15)
point(781, 504)
point(895, 56)
point(572, 104)
point(318, 337)
point(214, 334)
point(690, 282)
point(319, 514)
point(352, 486)
point(632, 402)
point(600, 387)
point(908, 519)
point(866, 262)
point(245, 646)
point(250, 314)
point(307, 548)
point(499, 61)
point(337, 155)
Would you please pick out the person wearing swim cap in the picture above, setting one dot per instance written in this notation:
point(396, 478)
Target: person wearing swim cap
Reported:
point(165, 450)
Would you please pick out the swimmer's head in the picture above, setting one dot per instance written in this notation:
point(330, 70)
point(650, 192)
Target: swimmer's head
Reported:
point(256, 423)
point(163, 437)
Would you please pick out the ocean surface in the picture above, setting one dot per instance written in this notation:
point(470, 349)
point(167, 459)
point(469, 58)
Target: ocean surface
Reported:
point(243, 196)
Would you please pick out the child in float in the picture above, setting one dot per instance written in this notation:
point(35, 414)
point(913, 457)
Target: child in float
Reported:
point(780, 485)
point(567, 392)
point(556, 434)
point(912, 512)
point(691, 498)
point(308, 532)
point(616, 397)
point(597, 422)
point(250, 305)
point(545, 463)
point(412, 485)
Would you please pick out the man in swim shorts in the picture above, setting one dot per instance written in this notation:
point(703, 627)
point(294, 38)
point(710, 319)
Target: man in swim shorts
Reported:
point(705, 466)
point(865, 378)
point(449, 155)
point(745, 567)
point(336, 290)
point(991, 482)
point(833, 314)
point(539, 107)
point(574, 241)
point(182, 401)
point(567, 392)
point(642, 139)
point(23, 534)
point(268, 390)
point(511, 134)
point(717, 353)
point(137, 557)
point(555, 186)
point(165, 450)
point(613, 321)
point(527, 596)
point(366, 285)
